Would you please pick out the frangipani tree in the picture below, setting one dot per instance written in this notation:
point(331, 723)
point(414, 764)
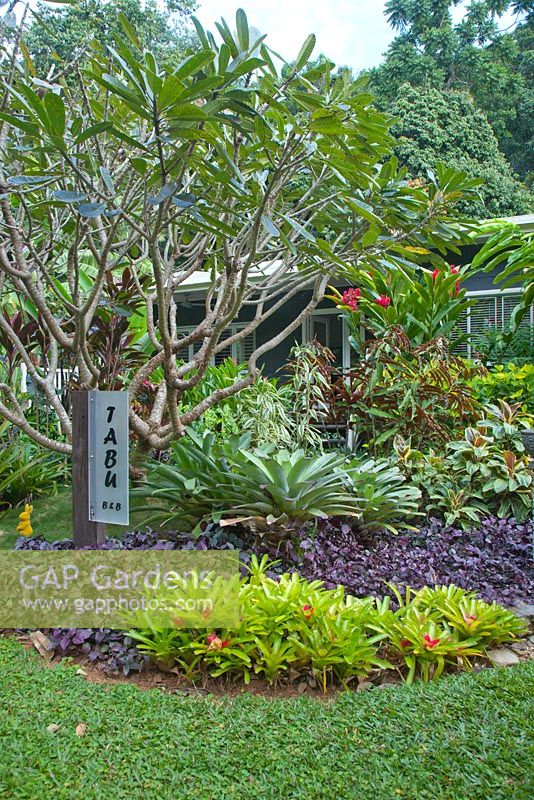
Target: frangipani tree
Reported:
point(161, 173)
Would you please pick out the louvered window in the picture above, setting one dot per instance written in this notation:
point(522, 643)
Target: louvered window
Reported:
point(240, 351)
point(490, 313)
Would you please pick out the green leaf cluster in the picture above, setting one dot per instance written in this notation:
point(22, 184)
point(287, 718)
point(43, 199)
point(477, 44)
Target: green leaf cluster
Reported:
point(292, 628)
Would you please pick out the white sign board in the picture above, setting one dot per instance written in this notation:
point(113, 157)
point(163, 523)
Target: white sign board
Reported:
point(108, 457)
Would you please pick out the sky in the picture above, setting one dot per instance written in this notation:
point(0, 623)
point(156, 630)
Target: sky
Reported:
point(350, 32)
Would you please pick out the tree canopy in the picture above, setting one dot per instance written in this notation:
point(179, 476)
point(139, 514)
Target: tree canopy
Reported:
point(435, 125)
point(470, 55)
point(60, 36)
point(114, 192)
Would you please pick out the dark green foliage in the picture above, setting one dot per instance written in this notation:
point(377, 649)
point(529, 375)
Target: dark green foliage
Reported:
point(264, 488)
point(436, 125)
point(462, 737)
point(27, 471)
point(477, 53)
point(60, 36)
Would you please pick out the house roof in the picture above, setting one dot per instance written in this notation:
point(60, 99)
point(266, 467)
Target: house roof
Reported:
point(200, 281)
point(523, 221)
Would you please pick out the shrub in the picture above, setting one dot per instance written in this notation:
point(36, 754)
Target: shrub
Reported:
point(478, 474)
point(384, 498)
point(494, 558)
point(442, 626)
point(420, 392)
point(496, 348)
point(271, 491)
point(263, 489)
point(263, 409)
point(26, 471)
point(512, 383)
point(426, 303)
point(286, 624)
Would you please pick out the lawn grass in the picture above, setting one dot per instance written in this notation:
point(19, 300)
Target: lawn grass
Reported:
point(461, 738)
point(52, 518)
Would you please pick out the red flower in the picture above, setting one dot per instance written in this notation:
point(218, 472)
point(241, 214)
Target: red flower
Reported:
point(215, 643)
point(405, 643)
point(470, 619)
point(350, 298)
point(435, 274)
point(384, 300)
point(430, 643)
point(307, 611)
point(454, 271)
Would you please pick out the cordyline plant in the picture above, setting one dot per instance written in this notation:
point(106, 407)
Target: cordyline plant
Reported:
point(170, 171)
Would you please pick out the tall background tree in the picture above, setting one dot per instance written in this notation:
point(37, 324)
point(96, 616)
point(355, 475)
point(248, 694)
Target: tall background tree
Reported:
point(435, 125)
point(60, 36)
point(477, 55)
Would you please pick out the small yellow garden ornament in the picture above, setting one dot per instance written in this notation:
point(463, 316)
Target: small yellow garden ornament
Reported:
point(25, 527)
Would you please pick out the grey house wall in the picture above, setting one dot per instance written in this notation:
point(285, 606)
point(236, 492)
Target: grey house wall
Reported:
point(188, 315)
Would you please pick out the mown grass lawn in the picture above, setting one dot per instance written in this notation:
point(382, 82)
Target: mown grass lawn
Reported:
point(52, 518)
point(462, 738)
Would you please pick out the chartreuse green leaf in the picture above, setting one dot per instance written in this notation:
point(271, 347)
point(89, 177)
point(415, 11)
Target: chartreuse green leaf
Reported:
point(305, 52)
point(55, 109)
point(242, 29)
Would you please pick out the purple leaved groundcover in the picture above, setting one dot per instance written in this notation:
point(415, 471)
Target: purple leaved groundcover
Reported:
point(495, 559)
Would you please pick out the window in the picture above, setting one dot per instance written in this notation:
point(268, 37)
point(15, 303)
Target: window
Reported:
point(491, 312)
point(240, 351)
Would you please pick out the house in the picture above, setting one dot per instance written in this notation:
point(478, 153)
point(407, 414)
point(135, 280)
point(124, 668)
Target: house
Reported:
point(490, 312)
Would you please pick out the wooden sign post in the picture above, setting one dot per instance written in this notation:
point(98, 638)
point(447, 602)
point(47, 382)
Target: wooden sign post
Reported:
point(85, 532)
point(99, 464)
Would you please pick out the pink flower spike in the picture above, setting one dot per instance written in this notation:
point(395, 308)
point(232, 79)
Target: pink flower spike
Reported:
point(350, 298)
point(383, 300)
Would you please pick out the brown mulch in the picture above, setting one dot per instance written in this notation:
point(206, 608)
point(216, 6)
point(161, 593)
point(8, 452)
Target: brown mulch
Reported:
point(170, 681)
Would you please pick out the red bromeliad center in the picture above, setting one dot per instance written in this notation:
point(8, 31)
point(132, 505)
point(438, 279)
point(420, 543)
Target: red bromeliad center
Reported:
point(430, 643)
point(215, 643)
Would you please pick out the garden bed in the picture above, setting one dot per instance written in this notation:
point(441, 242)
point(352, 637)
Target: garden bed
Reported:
point(65, 737)
point(172, 681)
point(493, 558)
